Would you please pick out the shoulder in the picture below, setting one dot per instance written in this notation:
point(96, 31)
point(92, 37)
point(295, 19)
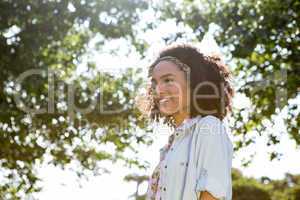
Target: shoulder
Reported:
point(212, 131)
point(210, 125)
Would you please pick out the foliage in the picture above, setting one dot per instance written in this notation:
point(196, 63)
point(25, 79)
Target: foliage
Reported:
point(44, 42)
point(139, 180)
point(262, 40)
point(50, 38)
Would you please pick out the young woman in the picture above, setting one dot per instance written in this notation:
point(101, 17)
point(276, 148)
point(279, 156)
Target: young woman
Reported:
point(192, 93)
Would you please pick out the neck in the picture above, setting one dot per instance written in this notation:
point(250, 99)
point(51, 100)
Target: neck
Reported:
point(179, 118)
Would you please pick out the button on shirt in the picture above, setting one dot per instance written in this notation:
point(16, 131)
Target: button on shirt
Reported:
point(199, 159)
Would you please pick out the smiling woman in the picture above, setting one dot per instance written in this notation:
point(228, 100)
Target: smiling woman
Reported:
point(171, 90)
point(192, 93)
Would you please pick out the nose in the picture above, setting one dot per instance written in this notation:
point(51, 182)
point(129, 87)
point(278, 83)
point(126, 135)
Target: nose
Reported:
point(160, 90)
point(157, 89)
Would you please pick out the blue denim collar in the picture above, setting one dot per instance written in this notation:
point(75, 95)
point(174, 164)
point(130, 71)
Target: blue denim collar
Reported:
point(184, 127)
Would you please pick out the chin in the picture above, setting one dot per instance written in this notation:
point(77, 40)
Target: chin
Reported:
point(168, 114)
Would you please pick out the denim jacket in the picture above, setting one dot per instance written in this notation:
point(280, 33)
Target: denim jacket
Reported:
point(199, 159)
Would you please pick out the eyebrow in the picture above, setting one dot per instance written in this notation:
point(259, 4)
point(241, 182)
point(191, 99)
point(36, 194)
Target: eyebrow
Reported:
point(163, 76)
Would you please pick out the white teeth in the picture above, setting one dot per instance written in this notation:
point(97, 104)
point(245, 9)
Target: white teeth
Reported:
point(164, 100)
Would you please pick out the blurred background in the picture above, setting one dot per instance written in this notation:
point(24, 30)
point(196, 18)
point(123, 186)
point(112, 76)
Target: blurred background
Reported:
point(70, 71)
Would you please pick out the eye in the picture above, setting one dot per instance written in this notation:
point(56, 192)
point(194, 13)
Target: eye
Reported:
point(168, 80)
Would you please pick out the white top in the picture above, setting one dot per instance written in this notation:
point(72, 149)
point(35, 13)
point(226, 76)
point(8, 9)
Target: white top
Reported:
point(199, 159)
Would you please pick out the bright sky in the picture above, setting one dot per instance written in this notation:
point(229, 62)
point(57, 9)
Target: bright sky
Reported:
point(61, 185)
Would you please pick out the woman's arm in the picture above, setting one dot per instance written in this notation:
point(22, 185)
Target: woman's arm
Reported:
point(206, 196)
point(213, 160)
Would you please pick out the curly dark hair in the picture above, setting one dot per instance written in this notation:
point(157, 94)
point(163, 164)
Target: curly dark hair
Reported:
point(203, 69)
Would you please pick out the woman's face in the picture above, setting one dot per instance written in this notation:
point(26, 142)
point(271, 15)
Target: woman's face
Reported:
point(170, 87)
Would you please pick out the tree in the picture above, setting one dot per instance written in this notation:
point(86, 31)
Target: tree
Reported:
point(139, 180)
point(262, 40)
point(286, 188)
point(41, 44)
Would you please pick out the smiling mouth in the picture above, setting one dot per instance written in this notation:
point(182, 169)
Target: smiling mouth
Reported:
point(164, 100)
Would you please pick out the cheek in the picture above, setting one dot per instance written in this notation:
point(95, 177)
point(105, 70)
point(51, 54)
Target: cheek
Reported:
point(175, 90)
point(183, 100)
point(180, 94)
point(179, 90)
